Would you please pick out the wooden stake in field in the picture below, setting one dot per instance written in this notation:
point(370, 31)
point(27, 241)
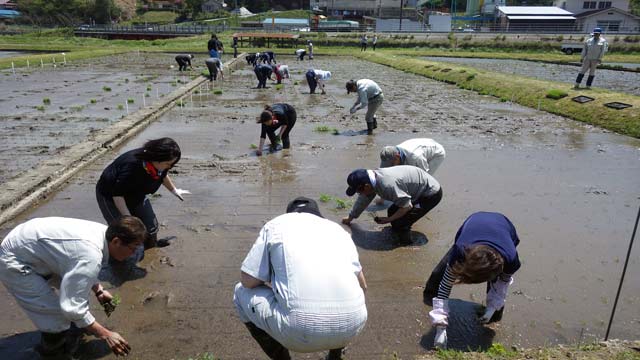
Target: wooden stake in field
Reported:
point(41, 63)
point(126, 105)
point(64, 58)
point(144, 102)
point(27, 63)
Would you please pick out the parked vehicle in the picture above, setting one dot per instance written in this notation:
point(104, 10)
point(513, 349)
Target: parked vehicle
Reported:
point(570, 48)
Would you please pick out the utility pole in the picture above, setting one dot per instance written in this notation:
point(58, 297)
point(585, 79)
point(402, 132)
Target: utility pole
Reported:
point(401, 1)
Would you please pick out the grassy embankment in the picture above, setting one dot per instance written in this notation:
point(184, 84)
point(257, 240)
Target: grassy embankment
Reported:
point(526, 91)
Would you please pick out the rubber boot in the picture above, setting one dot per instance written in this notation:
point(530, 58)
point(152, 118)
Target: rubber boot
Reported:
point(370, 128)
point(375, 122)
point(151, 241)
point(335, 354)
point(401, 236)
point(590, 81)
point(578, 81)
point(53, 346)
point(269, 345)
point(497, 316)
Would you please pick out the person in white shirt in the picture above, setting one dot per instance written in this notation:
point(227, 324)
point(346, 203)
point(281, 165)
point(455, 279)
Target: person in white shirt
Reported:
point(310, 47)
point(73, 250)
point(302, 286)
point(592, 53)
point(300, 53)
point(369, 96)
point(427, 154)
point(316, 78)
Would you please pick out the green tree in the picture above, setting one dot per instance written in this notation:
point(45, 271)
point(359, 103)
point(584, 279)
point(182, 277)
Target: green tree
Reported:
point(194, 7)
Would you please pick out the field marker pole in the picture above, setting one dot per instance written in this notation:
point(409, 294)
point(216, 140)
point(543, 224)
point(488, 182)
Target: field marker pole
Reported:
point(13, 68)
point(624, 271)
point(144, 102)
point(539, 101)
point(157, 93)
point(41, 63)
point(126, 105)
point(27, 63)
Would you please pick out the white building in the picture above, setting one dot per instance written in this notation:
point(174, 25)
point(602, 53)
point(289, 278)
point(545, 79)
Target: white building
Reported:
point(580, 6)
point(534, 18)
point(609, 20)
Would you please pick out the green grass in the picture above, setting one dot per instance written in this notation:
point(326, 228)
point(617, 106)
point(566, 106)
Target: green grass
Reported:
point(343, 203)
point(130, 101)
point(279, 86)
point(323, 128)
point(154, 17)
point(556, 94)
point(528, 92)
point(217, 91)
point(253, 146)
point(46, 101)
point(325, 198)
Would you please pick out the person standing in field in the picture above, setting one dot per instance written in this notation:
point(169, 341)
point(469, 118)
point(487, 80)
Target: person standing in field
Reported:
point(592, 52)
point(374, 42)
point(363, 42)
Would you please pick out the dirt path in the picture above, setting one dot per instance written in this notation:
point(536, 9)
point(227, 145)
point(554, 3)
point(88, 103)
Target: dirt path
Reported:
point(571, 191)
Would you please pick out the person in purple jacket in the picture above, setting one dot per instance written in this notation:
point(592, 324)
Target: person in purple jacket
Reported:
point(484, 250)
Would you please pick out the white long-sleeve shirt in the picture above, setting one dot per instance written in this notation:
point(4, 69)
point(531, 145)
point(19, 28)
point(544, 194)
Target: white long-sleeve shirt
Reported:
point(594, 49)
point(367, 89)
point(419, 152)
point(73, 249)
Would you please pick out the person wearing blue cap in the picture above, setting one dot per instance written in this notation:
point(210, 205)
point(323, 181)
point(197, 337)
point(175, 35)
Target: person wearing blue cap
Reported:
point(302, 287)
point(592, 52)
point(412, 190)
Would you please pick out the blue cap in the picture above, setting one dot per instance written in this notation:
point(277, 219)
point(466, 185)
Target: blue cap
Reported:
point(597, 30)
point(356, 179)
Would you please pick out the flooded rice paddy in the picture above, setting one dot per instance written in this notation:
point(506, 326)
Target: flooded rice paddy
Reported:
point(571, 190)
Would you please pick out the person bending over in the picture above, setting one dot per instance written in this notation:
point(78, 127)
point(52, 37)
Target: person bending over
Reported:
point(276, 116)
point(484, 250)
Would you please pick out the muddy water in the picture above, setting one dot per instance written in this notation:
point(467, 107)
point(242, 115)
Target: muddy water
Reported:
point(622, 81)
point(571, 191)
point(79, 104)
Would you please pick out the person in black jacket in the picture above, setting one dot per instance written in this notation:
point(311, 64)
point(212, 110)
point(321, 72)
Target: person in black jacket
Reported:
point(124, 184)
point(276, 116)
point(215, 46)
point(263, 72)
point(184, 61)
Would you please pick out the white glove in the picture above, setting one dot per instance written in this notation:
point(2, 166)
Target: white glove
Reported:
point(179, 192)
point(439, 316)
point(440, 341)
point(353, 110)
point(488, 313)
